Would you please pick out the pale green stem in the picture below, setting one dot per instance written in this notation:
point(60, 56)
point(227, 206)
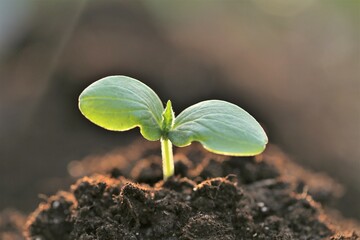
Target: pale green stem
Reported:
point(167, 158)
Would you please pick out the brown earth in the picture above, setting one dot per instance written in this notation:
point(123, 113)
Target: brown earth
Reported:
point(212, 197)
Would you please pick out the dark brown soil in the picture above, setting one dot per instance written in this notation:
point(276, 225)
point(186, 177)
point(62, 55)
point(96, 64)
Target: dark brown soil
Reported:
point(212, 197)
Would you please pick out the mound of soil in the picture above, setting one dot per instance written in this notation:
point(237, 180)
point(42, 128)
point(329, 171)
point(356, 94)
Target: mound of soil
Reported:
point(212, 197)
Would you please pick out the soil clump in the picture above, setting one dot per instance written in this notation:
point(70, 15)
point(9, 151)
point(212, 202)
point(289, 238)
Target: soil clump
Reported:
point(211, 197)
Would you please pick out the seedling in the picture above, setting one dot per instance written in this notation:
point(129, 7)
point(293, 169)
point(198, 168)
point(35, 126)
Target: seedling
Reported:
point(120, 103)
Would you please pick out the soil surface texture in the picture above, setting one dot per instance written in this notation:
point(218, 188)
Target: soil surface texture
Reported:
point(211, 197)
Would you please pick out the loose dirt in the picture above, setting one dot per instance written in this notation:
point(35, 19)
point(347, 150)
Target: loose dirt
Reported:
point(211, 197)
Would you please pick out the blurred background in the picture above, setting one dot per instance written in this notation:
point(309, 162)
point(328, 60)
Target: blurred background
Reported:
point(294, 65)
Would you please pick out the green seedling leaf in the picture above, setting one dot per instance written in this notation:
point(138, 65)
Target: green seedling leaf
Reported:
point(120, 103)
point(221, 127)
point(168, 119)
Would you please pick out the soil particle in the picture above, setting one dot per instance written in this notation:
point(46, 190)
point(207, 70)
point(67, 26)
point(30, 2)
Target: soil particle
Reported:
point(249, 199)
point(207, 226)
point(53, 220)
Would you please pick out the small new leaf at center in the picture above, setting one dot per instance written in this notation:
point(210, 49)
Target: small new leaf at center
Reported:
point(168, 118)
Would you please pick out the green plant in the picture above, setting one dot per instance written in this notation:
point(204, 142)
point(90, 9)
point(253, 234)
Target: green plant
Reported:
point(120, 103)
